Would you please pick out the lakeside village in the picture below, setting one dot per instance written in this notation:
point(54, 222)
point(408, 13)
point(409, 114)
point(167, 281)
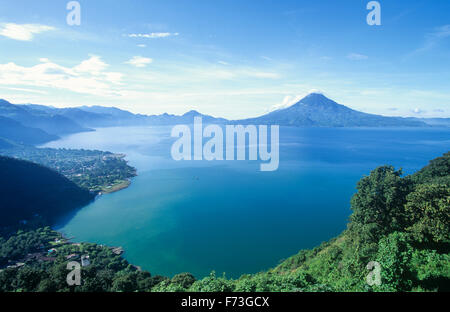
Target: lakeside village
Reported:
point(97, 171)
point(61, 248)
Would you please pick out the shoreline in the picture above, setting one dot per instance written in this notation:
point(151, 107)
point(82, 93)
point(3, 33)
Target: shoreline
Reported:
point(115, 188)
point(121, 184)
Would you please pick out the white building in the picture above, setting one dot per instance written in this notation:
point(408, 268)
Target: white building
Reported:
point(85, 261)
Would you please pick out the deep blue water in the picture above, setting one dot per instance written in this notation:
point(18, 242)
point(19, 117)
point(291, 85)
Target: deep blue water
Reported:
point(228, 216)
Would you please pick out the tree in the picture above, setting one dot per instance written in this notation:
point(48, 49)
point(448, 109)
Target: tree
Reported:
point(428, 209)
point(185, 280)
point(212, 284)
point(28, 278)
point(378, 206)
point(394, 256)
point(125, 283)
point(437, 171)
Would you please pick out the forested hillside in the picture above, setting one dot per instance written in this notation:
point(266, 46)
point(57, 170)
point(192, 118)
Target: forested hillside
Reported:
point(95, 171)
point(403, 223)
point(28, 190)
point(400, 222)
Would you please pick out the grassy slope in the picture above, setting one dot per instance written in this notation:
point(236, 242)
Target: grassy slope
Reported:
point(331, 263)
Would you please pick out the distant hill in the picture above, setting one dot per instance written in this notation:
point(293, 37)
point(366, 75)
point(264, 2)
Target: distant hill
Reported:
point(187, 118)
point(87, 119)
point(442, 122)
point(117, 117)
point(28, 190)
point(99, 116)
point(16, 132)
point(112, 116)
point(93, 116)
point(29, 116)
point(316, 110)
point(206, 118)
point(83, 117)
point(5, 144)
point(112, 111)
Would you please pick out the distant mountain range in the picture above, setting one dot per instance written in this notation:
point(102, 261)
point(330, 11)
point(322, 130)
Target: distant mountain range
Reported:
point(35, 124)
point(13, 131)
point(28, 116)
point(100, 116)
point(438, 122)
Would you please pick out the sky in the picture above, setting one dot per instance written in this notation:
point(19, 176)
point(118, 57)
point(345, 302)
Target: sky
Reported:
point(227, 58)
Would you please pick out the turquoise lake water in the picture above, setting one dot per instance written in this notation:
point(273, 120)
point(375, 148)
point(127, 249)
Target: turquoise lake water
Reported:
point(228, 216)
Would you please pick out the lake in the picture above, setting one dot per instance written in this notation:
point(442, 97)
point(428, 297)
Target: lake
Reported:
point(197, 217)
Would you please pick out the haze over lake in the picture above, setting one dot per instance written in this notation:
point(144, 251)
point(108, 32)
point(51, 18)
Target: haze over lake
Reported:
point(229, 216)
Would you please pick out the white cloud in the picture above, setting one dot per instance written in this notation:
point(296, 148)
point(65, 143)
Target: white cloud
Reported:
point(139, 61)
point(357, 57)
point(418, 111)
point(432, 39)
point(153, 35)
point(22, 32)
point(25, 90)
point(88, 77)
point(290, 100)
point(142, 45)
point(442, 32)
point(266, 58)
point(94, 65)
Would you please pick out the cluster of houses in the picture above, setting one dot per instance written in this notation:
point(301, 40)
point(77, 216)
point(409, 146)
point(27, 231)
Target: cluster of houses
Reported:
point(117, 250)
point(52, 254)
point(85, 261)
point(16, 266)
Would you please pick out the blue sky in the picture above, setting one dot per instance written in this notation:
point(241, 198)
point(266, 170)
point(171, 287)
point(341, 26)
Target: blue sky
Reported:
point(227, 58)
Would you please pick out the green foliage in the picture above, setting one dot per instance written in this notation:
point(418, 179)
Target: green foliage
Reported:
point(400, 222)
point(185, 280)
point(428, 210)
point(437, 171)
point(168, 286)
point(40, 272)
point(125, 283)
point(378, 204)
point(394, 255)
point(212, 284)
point(25, 242)
point(273, 282)
point(92, 170)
